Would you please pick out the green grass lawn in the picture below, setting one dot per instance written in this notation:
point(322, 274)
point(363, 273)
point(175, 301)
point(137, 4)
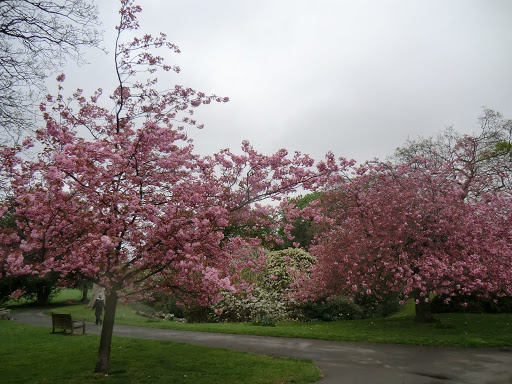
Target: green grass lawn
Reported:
point(30, 354)
point(457, 330)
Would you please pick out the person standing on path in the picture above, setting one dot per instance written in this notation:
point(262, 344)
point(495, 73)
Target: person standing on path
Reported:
point(98, 306)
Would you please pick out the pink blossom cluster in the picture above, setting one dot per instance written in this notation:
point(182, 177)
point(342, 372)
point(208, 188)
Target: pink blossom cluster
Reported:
point(416, 228)
point(118, 196)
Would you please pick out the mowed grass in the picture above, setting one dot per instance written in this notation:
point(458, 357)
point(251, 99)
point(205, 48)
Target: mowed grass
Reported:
point(30, 354)
point(454, 329)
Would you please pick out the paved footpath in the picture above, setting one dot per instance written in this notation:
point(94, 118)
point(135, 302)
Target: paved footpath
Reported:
point(343, 362)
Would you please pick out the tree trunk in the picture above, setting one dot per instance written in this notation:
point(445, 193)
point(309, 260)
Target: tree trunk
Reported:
point(84, 292)
point(102, 365)
point(423, 308)
point(96, 291)
point(43, 295)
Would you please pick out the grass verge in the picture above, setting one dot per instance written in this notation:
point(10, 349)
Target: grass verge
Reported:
point(30, 354)
point(455, 329)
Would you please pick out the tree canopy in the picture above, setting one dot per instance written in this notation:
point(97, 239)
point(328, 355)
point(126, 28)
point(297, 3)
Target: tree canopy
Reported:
point(118, 196)
point(417, 228)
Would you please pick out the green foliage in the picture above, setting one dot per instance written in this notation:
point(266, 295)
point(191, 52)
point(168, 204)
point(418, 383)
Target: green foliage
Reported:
point(333, 309)
point(374, 306)
point(303, 231)
point(472, 304)
point(61, 296)
point(36, 289)
point(199, 314)
point(342, 308)
point(163, 302)
point(265, 321)
point(8, 219)
point(283, 266)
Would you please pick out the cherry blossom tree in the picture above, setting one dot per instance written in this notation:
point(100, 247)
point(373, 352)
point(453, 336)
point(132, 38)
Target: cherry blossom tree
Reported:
point(117, 195)
point(416, 228)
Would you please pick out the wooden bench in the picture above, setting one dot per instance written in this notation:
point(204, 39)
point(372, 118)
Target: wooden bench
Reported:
point(65, 321)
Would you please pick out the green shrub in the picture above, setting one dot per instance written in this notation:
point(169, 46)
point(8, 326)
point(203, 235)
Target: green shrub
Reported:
point(163, 302)
point(35, 289)
point(282, 266)
point(265, 321)
point(471, 304)
point(335, 308)
point(374, 306)
point(268, 296)
point(197, 313)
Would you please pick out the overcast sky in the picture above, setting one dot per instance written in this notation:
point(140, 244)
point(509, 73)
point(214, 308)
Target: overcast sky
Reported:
point(353, 77)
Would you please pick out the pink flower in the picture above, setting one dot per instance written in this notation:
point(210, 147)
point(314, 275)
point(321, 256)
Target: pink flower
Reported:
point(17, 294)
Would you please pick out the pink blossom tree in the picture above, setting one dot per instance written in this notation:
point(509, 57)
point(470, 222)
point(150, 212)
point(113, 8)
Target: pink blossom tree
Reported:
point(118, 196)
point(416, 229)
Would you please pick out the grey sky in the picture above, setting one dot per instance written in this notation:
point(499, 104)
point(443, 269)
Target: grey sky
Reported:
point(353, 77)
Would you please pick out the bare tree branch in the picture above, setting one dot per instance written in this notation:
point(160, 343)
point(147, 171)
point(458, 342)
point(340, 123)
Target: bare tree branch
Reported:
point(36, 38)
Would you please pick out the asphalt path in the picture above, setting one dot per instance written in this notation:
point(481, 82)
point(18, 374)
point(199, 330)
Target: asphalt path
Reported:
point(342, 362)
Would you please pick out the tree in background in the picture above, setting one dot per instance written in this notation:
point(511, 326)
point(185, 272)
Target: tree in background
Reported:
point(481, 162)
point(27, 287)
point(417, 228)
point(298, 229)
point(35, 39)
point(117, 195)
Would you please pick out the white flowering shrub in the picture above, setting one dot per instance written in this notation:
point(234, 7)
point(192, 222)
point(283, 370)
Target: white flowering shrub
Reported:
point(247, 306)
point(282, 268)
point(267, 296)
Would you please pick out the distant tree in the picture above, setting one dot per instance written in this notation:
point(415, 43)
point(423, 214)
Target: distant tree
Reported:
point(417, 228)
point(35, 39)
point(298, 231)
point(483, 156)
point(30, 287)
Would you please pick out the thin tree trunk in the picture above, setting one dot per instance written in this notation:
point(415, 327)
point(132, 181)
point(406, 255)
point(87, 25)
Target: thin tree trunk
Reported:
point(96, 291)
point(423, 308)
point(84, 292)
point(102, 365)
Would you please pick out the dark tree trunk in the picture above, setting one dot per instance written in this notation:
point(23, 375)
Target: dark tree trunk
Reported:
point(43, 295)
point(84, 292)
point(102, 365)
point(423, 308)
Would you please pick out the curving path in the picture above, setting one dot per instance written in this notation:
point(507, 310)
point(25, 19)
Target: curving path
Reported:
point(342, 362)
